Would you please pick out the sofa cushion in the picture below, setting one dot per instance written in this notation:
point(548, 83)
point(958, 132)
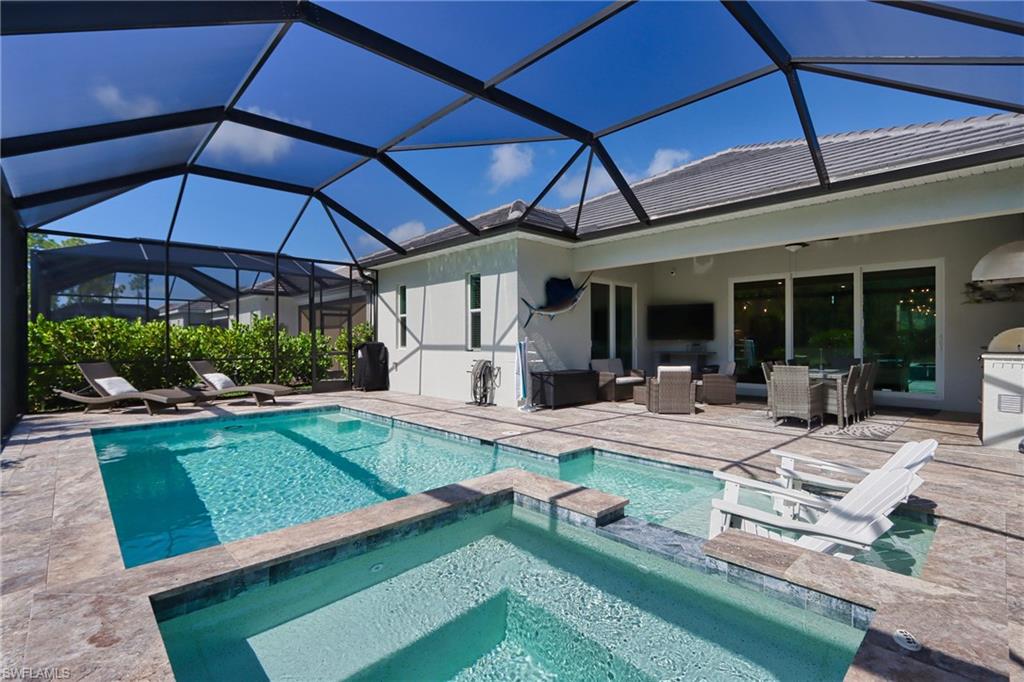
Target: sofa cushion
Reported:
point(629, 380)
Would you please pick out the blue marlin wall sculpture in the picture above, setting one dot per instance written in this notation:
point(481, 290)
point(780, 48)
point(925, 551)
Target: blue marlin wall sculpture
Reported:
point(562, 296)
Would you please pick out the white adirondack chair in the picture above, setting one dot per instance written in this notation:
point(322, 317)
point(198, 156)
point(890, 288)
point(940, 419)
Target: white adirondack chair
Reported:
point(842, 528)
point(912, 456)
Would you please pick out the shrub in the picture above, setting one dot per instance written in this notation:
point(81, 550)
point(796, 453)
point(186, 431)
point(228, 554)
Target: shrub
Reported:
point(136, 349)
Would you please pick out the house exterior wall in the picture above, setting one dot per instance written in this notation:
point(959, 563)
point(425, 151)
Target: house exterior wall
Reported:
point(950, 222)
point(436, 361)
point(563, 342)
point(263, 306)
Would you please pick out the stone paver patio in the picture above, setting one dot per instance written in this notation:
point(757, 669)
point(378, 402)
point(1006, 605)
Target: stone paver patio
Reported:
point(68, 602)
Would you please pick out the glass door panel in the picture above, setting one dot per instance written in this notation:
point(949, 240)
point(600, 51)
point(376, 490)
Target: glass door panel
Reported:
point(624, 325)
point(823, 320)
point(759, 313)
point(899, 329)
point(600, 321)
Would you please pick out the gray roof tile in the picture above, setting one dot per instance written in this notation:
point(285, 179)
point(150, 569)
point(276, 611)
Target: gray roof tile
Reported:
point(759, 170)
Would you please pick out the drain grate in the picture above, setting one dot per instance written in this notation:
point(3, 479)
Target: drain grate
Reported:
point(906, 640)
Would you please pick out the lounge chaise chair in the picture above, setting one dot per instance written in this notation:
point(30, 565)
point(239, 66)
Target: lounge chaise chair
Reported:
point(216, 384)
point(111, 389)
point(842, 529)
point(912, 456)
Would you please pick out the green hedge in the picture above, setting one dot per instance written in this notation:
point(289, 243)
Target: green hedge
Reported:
point(136, 349)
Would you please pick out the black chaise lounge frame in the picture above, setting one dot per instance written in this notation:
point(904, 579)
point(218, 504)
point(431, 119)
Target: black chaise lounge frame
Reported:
point(155, 399)
point(261, 392)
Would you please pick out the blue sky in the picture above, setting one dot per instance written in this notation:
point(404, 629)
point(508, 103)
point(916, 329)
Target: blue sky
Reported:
point(650, 54)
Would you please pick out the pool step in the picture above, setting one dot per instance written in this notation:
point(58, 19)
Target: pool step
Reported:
point(360, 631)
point(341, 422)
point(505, 633)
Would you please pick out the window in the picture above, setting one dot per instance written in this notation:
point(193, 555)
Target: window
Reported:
point(823, 320)
point(759, 331)
point(403, 323)
point(473, 287)
point(899, 328)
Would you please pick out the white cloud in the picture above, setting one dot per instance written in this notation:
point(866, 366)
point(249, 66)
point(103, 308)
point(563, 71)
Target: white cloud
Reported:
point(407, 230)
point(570, 186)
point(113, 100)
point(600, 182)
point(667, 159)
point(251, 145)
point(509, 162)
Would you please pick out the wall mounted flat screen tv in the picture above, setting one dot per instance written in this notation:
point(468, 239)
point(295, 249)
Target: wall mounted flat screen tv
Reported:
point(681, 322)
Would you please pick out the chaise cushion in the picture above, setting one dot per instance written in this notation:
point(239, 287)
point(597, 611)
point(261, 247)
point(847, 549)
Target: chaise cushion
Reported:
point(115, 385)
point(218, 380)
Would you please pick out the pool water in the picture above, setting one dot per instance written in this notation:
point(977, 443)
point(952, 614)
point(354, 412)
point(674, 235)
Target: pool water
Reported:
point(507, 594)
point(178, 488)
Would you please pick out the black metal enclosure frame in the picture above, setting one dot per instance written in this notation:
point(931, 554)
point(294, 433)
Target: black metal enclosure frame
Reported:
point(27, 18)
point(24, 18)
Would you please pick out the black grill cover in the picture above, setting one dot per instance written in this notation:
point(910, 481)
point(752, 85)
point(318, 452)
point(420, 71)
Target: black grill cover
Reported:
point(371, 371)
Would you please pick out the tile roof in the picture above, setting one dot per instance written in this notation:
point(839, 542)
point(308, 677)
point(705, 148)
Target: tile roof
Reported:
point(756, 170)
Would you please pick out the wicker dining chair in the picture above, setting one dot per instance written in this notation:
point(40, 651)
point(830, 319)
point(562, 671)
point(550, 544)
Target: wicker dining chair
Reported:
point(766, 367)
point(849, 390)
point(863, 404)
point(673, 391)
point(793, 395)
point(870, 390)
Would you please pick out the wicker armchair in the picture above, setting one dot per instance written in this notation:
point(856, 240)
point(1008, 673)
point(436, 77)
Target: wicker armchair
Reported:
point(613, 383)
point(794, 396)
point(720, 389)
point(673, 391)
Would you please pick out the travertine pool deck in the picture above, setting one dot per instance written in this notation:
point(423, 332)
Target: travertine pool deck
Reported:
point(66, 601)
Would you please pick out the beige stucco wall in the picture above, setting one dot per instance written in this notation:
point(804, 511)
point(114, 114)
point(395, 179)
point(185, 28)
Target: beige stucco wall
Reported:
point(563, 342)
point(436, 361)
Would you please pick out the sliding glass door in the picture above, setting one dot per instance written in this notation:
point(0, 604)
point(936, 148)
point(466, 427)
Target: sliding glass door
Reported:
point(823, 320)
point(899, 328)
point(612, 328)
point(889, 315)
point(759, 329)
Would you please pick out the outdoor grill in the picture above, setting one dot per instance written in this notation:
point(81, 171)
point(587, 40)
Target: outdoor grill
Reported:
point(1002, 393)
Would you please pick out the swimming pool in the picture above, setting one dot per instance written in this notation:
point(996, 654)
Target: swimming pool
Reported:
point(177, 488)
point(506, 594)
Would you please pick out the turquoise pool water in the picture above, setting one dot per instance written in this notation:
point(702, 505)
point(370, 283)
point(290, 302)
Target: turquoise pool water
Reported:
point(502, 596)
point(178, 488)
